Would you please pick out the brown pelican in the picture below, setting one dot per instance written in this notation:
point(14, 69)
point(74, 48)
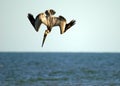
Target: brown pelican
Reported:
point(48, 19)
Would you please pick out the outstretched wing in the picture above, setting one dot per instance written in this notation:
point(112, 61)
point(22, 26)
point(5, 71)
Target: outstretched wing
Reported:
point(50, 12)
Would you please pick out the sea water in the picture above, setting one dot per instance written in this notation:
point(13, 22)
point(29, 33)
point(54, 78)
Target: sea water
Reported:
point(59, 69)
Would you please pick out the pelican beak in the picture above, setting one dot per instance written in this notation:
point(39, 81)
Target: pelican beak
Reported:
point(45, 35)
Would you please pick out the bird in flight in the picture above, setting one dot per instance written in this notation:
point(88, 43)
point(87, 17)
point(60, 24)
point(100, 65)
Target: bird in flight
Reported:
point(47, 18)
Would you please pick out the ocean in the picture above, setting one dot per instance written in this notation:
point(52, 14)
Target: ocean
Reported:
point(59, 69)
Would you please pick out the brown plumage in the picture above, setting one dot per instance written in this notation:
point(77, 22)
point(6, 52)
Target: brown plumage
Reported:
point(50, 21)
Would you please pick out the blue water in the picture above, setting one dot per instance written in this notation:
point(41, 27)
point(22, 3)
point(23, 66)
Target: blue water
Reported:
point(59, 69)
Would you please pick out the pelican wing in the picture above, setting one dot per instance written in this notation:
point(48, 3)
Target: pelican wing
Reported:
point(35, 22)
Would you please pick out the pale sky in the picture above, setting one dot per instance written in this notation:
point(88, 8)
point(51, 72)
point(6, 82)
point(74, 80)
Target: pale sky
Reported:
point(97, 27)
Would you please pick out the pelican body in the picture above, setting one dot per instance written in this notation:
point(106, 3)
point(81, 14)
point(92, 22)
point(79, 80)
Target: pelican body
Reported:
point(49, 20)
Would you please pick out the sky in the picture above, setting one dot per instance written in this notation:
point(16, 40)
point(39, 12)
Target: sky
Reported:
point(97, 27)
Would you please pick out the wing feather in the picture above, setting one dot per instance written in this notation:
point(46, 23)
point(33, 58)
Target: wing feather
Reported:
point(37, 23)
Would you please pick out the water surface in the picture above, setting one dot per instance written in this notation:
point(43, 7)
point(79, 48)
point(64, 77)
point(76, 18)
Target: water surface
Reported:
point(59, 69)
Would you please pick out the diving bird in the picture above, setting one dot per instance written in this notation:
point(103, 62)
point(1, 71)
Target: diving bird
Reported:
point(47, 18)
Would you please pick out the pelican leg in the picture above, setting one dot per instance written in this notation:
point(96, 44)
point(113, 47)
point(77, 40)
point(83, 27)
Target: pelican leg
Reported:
point(45, 35)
